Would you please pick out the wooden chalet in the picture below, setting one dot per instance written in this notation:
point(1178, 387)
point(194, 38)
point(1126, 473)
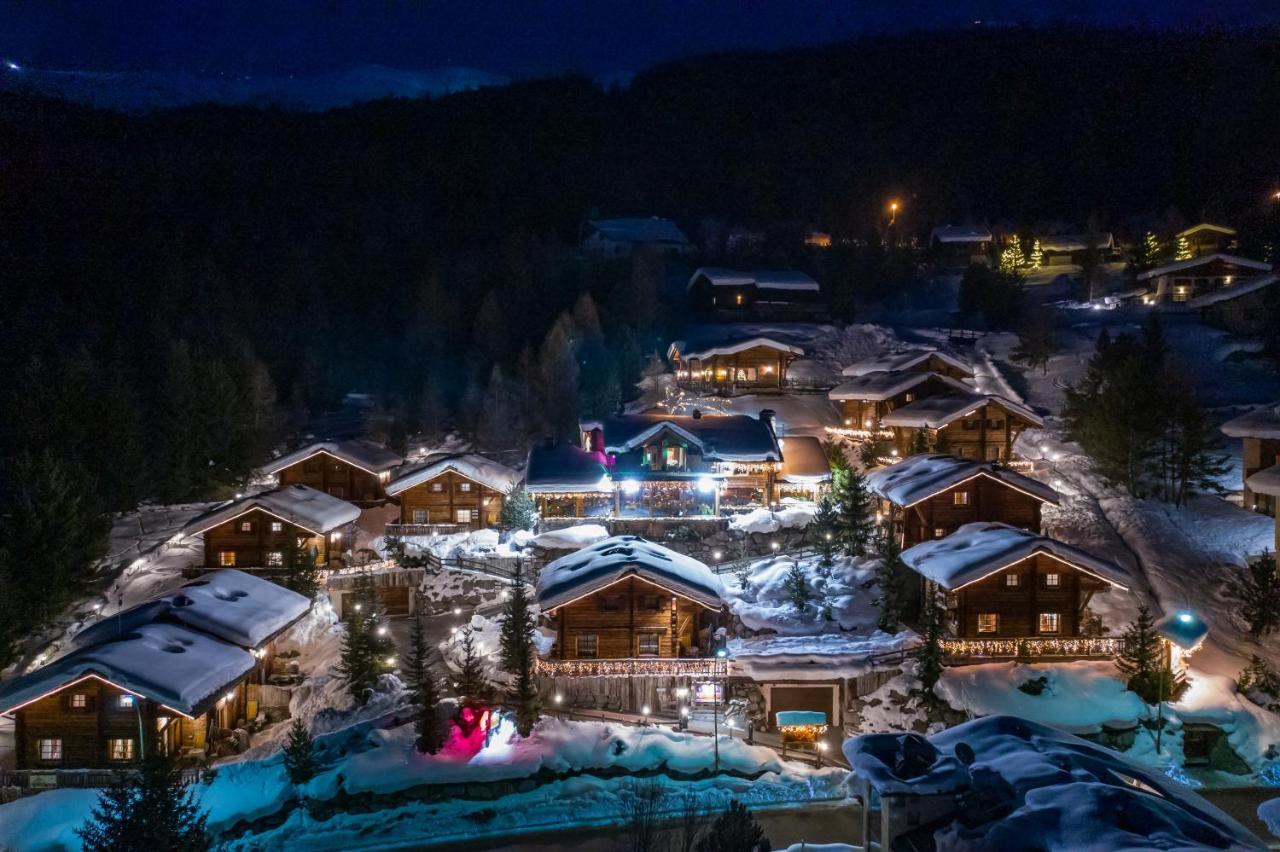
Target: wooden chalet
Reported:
point(968, 425)
point(732, 365)
point(1072, 249)
point(355, 471)
point(806, 470)
point(864, 400)
point(1207, 238)
point(1243, 307)
point(772, 294)
point(664, 465)
point(955, 247)
point(451, 493)
point(1008, 589)
point(256, 530)
point(914, 361)
point(931, 496)
point(1186, 281)
point(620, 237)
point(176, 676)
point(567, 481)
point(1259, 434)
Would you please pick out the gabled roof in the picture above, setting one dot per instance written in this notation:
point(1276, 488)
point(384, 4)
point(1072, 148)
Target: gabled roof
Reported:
point(227, 604)
point(922, 476)
point(1075, 242)
point(565, 469)
point(723, 437)
point(1207, 226)
point(477, 468)
point(978, 550)
point(304, 507)
point(1232, 291)
point(937, 411)
point(702, 349)
point(640, 230)
point(912, 359)
point(602, 564)
point(365, 455)
point(960, 234)
point(805, 462)
point(882, 384)
point(765, 279)
point(1179, 266)
point(1262, 422)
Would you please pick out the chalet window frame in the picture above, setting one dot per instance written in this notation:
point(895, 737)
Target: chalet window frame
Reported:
point(1051, 618)
point(275, 559)
point(419, 516)
point(463, 516)
point(939, 532)
point(970, 424)
point(125, 701)
point(610, 603)
point(464, 487)
point(120, 749)
point(988, 622)
point(246, 526)
point(655, 606)
point(587, 646)
point(437, 488)
point(960, 498)
point(78, 701)
point(1012, 580)
point(1053, 580)
point(645, 641)
point(226, 559)
point(277, 526)
point(50, 749)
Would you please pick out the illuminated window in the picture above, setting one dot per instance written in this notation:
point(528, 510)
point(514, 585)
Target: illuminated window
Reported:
point(51, 748)
point(910, 397)
point(79, 701)
point(587, 647)
point(226, 558)
point(1011, 580)
point(673, 458)
point(988, 622)
point(961, 498)
point(1181, 293)
point(419, 516)
point(246, 526)
point(124, 701)
point(464, 486)
point(737, 298)
point(275, 558)
point(277, 526)
point(647, 645)
point(1048, 622)
point(939, 532)
point(120, 749)
point(1053, 580)
point(462, 516)
point(437, 487)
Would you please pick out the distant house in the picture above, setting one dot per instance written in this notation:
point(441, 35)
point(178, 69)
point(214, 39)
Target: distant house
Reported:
point(955, 247)
point(255, 531)
point(867, 398)
point(619, 237)
point(915, 360)
point(349, 470)
point(1259, 433)
point(1207, 238)
point(1189, 281)
point(464, 490)
point(174, 676)
point(1071, 249)
point(1005, 583)
point(967, 425)
point(732, 364)
point(773, 294)
point(806, 471)
point(567, 481)
point(629, 608)
point(1242, 307)
point(931, 496)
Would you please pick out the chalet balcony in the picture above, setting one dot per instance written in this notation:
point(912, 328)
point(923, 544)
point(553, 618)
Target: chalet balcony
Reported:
point(1057, 648)
point(402, 530)
point(701, 667)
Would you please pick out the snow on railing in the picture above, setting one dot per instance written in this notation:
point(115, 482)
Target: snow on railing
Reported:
point(1077, 647)
point(633, 667)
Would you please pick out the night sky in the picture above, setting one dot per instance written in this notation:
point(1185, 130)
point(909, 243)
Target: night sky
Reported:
point(517, 38)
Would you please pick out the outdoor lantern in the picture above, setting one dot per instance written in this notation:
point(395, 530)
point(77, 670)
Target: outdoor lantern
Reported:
point(1183, 632)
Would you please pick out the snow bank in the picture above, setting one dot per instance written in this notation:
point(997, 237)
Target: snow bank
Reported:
point(841, 598)
point(570, 538)
point(1077, 695)
point(793, 516)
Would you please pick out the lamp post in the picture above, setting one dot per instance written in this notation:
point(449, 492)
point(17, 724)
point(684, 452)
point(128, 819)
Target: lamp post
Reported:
point(893, 213)
point(715, 704)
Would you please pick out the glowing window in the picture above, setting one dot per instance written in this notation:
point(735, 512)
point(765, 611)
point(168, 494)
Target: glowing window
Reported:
point(588, 646)
point(275, 558)
point(737, 298)
point(51, 748)
point(79, 701)
point(437, 487)
point(961, 498)
point(462, 516)
point(120, 749)
point(226, 558)
point(988, 622)
point(246, 526)
point(277, 526)
point(1053, 580)
point(1049, 622)
point(464, 486)
point(124, 701)
point(939, 532)
point(1011, 580)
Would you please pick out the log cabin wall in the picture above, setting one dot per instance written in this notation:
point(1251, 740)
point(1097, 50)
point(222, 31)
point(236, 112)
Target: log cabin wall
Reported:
point(624, 616)
point(757, 367)
point(986, 435)
point(1018, 605)
point(864, 413)
point(250, 540)
point(980, 499)
point(85, 732)
point(336, 477)
point(443, 499)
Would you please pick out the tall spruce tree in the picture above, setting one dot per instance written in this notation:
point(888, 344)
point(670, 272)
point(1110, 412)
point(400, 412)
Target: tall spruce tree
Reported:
point(518, 654)
point(890, 575)
point(152, 810)
point(853, 500)
point(1258, 591)
point(367, 649)
point(423, 684)
point(519, 512)
point(797, 587)
point(824, 525)
point(929, 657)
point(299, 754)
point(1142, 661)
point(474, 692)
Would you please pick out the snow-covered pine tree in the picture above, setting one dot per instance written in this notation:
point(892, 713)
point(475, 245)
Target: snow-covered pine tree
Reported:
point(797, 588)
point(518, 655)
point(854, 523)
point(299, 754)
point(519, 512)
point(824, 526)
point(152, 810)
point(1258, 590)
point(929, 656)
point(1143, 663)
point(889, 578)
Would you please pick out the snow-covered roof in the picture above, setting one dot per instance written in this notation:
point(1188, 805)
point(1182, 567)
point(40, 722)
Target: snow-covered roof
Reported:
point(978, 550)
point(723, 437)
point(365, 455)
point(1183, 629)
point(565, 468)
point(880, 385)
point(640, 230)
point(228, 604)
point(1180, 265)
point(922, 476)
point(804, 461)
point(300, 505)
point(1265, 481)
point(605, 563)
point(477, 468)
point(1208, 226)
point(764, 279)
point(1232, 291)
point(181, 668)
point(934, 412)
point(1262, 422)
point(960, 234)
point(1062, 792)
point(702, 349)
point(1074, 242)
point(912, 359)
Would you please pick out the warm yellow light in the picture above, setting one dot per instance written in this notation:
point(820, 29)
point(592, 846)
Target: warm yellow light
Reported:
point(893, 207)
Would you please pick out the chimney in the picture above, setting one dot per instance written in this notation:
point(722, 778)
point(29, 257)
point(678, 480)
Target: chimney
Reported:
point(767, 416)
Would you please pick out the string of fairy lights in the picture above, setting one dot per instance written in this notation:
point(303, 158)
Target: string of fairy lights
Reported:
point(1082, 646)
point(632, 667)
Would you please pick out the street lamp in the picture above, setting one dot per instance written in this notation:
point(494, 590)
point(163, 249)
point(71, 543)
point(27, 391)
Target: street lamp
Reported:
point(893, 212)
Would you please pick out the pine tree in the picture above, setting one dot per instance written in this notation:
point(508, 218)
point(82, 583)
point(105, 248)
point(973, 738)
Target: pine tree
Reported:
point(1012, 259)
point(367, 649)
point(853, 500)
point(1036, 258)
point(423, 684)
point(834, 451)
point(1142, 660)
point(1144, 255)
point(1036, 343)
point(472, 687)
point(1183, 250)
point(797, 588)
point(556, 381)
point(929, 656)
point(153, 810)
point(519, 512)
point(518, 655)
point(299, 754)
point(824, 525)
point(500, 424)
point(874, 448)
point(889, 577)
point(301, 572)
point(1258, 591)
point(735, 830)
point(919, 442)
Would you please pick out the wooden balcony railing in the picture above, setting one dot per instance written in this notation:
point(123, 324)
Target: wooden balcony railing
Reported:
point(400, 530)
point(634, 667)
point(1082, 647)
